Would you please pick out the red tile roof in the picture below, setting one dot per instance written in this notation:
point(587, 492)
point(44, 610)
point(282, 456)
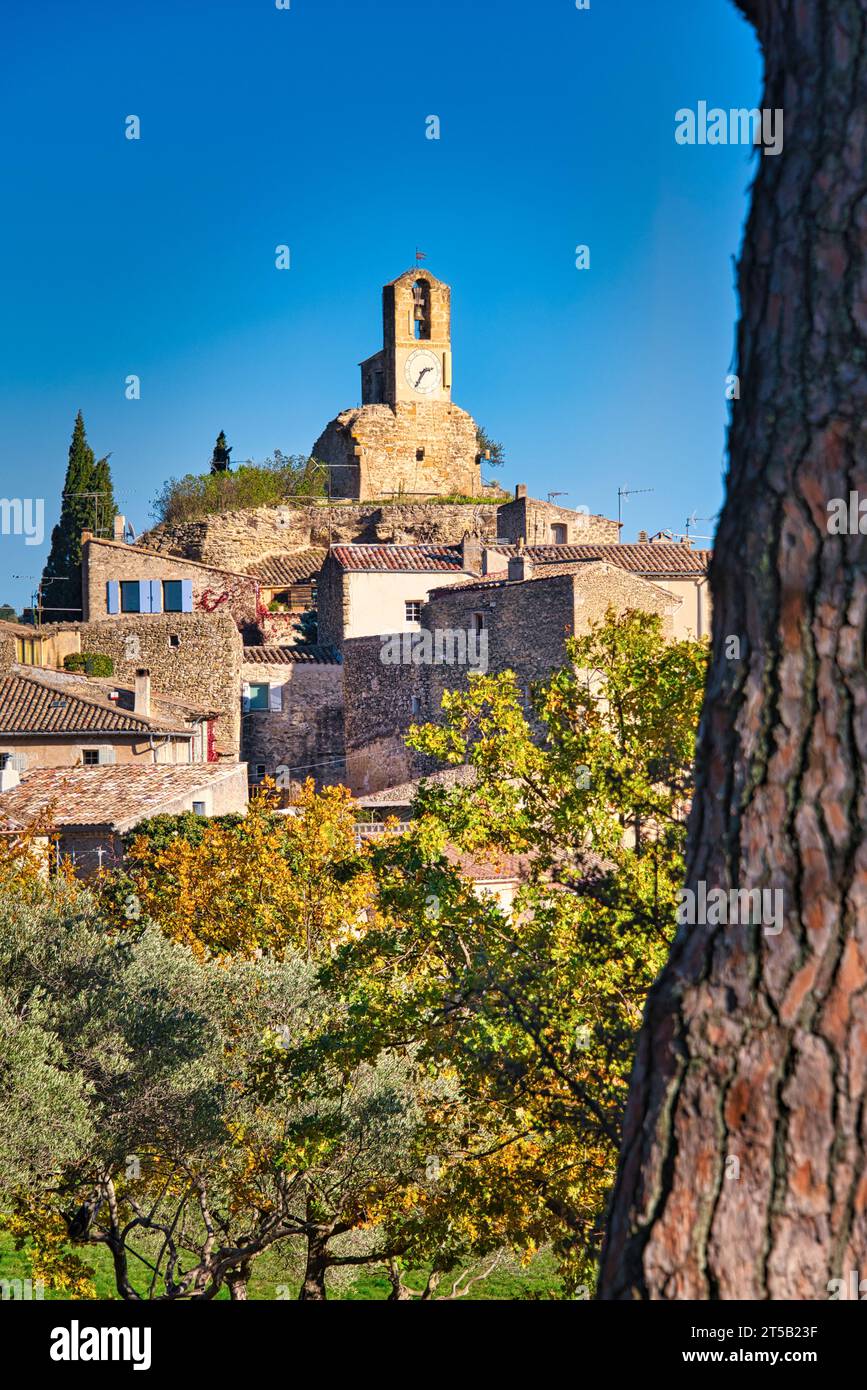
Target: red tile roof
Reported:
point(656, 558)
point(501, 868)
point(400, 559)
point(116, 795)
point(31, 706)
point(312, 654)
point(541, 572)
point(297, 568)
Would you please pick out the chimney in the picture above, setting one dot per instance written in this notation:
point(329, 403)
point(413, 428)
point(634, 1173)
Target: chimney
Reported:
point(9, 777)
point(520, 490)
point(494, 561)
point(642, 538)
point(687, 541)
point(520, 566)
point(142, 703)
point(471, 553)
point(119, 527)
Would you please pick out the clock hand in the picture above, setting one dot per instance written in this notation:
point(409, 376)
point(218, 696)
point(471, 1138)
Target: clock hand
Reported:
point(421, 374)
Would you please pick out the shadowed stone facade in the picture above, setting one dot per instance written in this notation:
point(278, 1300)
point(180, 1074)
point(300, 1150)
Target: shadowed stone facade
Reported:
point(526, 622)
point(301, 728)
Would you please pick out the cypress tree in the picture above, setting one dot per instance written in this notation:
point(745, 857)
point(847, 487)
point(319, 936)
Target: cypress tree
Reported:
point(222, 450)
point(62, 597)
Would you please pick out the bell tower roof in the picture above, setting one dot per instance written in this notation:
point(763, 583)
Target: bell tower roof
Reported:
point(416, 272)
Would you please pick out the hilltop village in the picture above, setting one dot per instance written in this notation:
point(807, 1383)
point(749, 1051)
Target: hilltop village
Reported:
point(206, 687)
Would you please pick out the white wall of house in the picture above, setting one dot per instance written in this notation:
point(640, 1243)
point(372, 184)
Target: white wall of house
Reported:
point(377, 601)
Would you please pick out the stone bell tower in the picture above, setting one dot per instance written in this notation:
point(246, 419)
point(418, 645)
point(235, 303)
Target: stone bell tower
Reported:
point(415, 361)
point(406, 440)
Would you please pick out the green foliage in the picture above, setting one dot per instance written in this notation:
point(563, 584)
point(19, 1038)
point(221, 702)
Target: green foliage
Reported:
point(8, 614)
point(220, 459)
point(345, 1057)
point(92, 663)
point(283, 478)
point(307, 626)
point(490, 450)
point(536, 1010)
point(79, 512)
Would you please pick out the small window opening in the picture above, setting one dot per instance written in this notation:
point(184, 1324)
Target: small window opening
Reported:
point(421, 308)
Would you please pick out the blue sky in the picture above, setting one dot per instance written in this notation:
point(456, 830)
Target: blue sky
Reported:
point(306, 126)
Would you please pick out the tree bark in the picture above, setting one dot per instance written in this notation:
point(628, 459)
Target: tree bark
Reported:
point(313, 1287)
point(754, 1045)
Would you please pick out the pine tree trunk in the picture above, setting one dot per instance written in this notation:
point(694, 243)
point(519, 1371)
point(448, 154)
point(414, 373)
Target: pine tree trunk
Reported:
point(742, 1171)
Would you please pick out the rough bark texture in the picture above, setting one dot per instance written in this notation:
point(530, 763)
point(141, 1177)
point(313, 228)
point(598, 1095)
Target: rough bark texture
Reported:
point(754, 1046)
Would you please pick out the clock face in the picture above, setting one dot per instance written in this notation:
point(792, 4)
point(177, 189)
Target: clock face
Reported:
point(423, 371)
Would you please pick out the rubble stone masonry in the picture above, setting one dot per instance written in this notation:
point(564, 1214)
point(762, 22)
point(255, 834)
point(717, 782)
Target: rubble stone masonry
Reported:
point(239, 539)
point(194, 656)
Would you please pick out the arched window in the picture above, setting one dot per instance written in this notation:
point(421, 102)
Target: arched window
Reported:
point(421, 308)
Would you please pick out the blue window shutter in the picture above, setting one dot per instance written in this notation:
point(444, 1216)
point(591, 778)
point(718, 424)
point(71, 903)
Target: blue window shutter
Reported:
point(186, 595)
point(113, 599)
point(144, 596)
point(156, 595)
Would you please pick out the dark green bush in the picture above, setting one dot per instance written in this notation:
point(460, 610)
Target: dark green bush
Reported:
point(91, 663)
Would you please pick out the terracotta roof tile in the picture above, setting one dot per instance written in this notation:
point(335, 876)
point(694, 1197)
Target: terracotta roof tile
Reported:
point(31, 706)
point(657, 558)
point(404, 792)
point(400, 559)
point(310, 654)
point(116, 795)
point(297, 568)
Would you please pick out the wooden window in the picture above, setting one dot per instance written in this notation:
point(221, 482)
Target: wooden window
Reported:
point(258, 698)
point(412, 609)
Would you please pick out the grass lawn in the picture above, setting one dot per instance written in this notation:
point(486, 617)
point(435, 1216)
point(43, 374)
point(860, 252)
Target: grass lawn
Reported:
point(539, 1280)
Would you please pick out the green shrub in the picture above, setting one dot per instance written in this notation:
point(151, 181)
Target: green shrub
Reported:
point(279, 479)
point(92, 663)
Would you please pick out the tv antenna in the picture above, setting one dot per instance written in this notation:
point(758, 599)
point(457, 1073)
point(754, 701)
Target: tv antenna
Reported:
point(693, 520)
point(627, 492)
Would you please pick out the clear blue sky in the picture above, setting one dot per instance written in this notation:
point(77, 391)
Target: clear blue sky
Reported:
point(306, 126)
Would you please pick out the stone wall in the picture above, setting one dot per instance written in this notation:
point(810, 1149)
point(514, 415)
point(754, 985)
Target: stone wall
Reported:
point(533, 521)
point(194, 656)
point(526, 625)
point(306, 734)
point(426, 447)
point(378, 704)
point(332, 603)
point(215, 589)
point(239, 539)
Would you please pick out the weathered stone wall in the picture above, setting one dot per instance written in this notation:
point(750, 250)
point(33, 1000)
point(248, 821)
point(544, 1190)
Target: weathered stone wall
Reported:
point(239, 539)
point(533, 521)
point(412, 447)
point(7, 650)
point(204, 667)
point(526, 625)
point(332, 603)
point(214, 589)
point(306, 734)
point(378, 711)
